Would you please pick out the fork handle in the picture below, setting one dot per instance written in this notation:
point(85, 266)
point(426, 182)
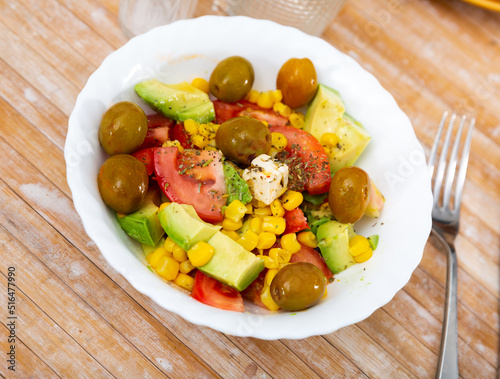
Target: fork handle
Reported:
point(448, 356)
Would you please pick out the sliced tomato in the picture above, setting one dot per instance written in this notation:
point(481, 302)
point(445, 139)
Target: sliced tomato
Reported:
point(146, 156)
point(295, 221)
point(212, 292)
point(312, 164)
point(158, 131)
point(193, 177)
point(179, 133)
point(309, 255)
point(225, 111)
point(254, 290)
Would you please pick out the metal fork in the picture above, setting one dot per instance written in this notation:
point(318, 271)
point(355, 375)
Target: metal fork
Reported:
point(448, 181)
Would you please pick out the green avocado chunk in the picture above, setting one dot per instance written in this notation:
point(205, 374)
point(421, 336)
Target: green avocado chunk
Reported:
point(177, 101)
point(333, 241)
point(237, 188)
point(327, 115)
point(184, 226)
point(231, 264)
point(147, 249)
point(143, 224)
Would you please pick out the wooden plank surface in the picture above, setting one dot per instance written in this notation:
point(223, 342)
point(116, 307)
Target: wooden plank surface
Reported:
point(79, 318)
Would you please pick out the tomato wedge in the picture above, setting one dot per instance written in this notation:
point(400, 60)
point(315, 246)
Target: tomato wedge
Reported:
point(212, 292)
point(179, 133)
point(254, 290)
point(225, 111)
point(146, 156)
point(307, 159)
point(309, 255)
point(158, 131)
point(193, 177)
point(295, 221)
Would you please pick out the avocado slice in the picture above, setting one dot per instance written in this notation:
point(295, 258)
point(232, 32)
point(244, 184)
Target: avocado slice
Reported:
point(333, 241)
point(147, 249)
point(143, 224)
point(231, 264)
point(184, 226)
point(177, 101)
point(327, 115)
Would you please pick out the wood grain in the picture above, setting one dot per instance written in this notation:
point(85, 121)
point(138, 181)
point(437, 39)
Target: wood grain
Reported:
point(79, 318)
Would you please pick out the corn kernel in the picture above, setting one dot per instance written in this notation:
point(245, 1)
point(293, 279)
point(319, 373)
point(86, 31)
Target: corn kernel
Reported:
point(291, 199)
point(289, 242)
point(256, 225)
point(249, 209)
point(179, 254)
point(257, 203)
point(267, 300)
point(184, 281)
point(201, 84)
point(249, 240)
point(163, 206)
point(364, 257)
point(280, 255)
point(231, 234)
point(169, 244)
point(154, 257)
point(229, 224)
point(235, 211)
point(329, 139)
point(167, 268)
point(200, 254)
point(186, 267)
point(277, 209)
point(206, 131)
point(270, 274)
point(276, 96)
point(328, 150)
point(296, 121)
point(308, 239)
point(174, 143)
point(191, 127)
point(266, 240)
point(269, 262)
point(214, 126)
point(265, 100)
point(325, 294)
point(358, 245)
point(199, 141)
point(261, 212)
point(278, 141)
point(282, 109)
point(273, 224)
point(253, 96)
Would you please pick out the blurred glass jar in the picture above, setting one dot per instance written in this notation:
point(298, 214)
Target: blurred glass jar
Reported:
point(310, 16)
point(139, 16)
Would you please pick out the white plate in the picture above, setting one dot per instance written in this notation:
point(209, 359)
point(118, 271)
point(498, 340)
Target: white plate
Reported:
point(395, 160)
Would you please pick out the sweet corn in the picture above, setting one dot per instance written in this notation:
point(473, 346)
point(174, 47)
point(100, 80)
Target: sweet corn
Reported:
point(214, 127)
point(257, 203)
point(184, 281)
point(269, 262)
point(291, 199)
point(289, 243)
point(231, 234)
point(296, 121)
point(169, 244)
point(268, 301)
point(308, 239)
point(282, 109)
point(266, 240)
point(201, 84)
point(276, 96)
point(163, 206)
point(364, 257)
point(206, 131)
point(253, 96)
point(328, 150)
point(200, 254)
point(265, 123)
point(265, 100)
point(249, 240)
point(174, 143)
point(256, 225)
point(186, 267)
point(270, 274)
point(179, 254)
point(277, 209)
point(199, 141)
point(249, 209)
point(278, 141)
point(358, 245)
point(155, 257)
point(261, 212)
point(191, 127)
point(329, 139)
point(235, 211)
point(273, 224)
point(229, 224)
point(167, 268)
point(280, 255)
point(325, 294)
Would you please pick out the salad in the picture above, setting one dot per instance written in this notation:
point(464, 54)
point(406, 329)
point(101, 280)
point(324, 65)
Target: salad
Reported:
point(239, 194)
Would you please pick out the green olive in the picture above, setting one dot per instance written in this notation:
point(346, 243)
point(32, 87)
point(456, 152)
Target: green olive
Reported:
point(232, 79)
point(123, 128)
point(241, 139)
point(297, 81)
point(123, 183)
point(349, 194)
point(298, 286)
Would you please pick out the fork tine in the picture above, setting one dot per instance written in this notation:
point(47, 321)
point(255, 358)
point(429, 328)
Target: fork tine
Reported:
point(442, 161)
point(437, 137)
point(464, 160)
point(452, 165)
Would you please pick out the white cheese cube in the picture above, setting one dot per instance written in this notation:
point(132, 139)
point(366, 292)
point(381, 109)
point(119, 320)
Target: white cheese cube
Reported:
point(267, 178)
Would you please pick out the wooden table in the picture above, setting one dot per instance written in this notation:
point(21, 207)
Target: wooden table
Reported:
point(78, 318)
